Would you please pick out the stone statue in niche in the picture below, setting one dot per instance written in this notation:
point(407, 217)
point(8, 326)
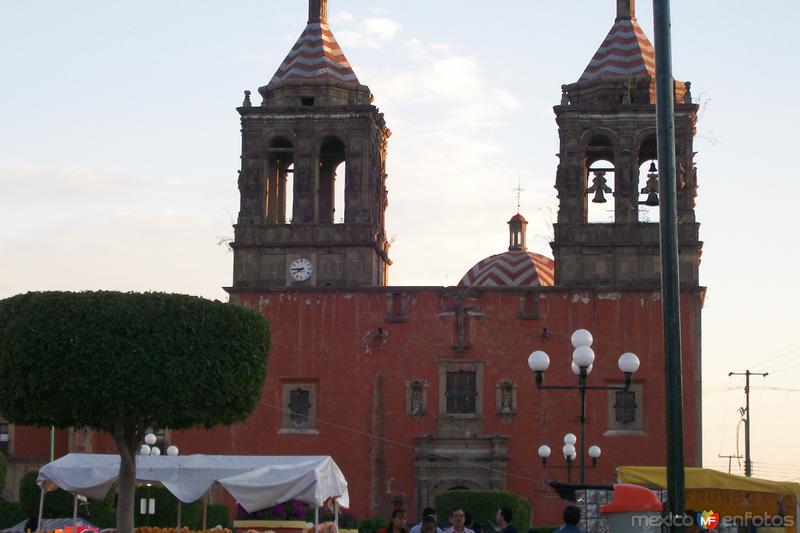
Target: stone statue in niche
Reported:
point(416, 400)
point(505, 403)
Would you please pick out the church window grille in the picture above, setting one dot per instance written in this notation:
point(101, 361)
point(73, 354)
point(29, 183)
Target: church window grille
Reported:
point(299, 406)
point(461, 392)
point(299, 400)
point(625, 407)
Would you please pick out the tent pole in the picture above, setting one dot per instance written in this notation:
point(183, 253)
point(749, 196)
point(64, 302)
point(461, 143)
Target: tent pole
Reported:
point(178, 529)
point(41, 511)
point(75, 513)
point(205, 510)
point(336, 513)
point(316, 519)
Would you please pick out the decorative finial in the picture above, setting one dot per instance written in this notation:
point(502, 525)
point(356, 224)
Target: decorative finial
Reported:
point(317, 11)
point(687, 96)
point(247, 102)
point(626, 9)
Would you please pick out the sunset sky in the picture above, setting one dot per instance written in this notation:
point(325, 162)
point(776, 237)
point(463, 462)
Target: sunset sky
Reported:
point(119, 151)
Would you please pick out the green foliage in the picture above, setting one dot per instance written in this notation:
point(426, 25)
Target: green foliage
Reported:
point(3, 472)
point(10, 514)
point(59, 504)
point(166, 507)
point(483, 505)
point(110, 359)
point(372, 525)
point(167, 510)
point(217, 515)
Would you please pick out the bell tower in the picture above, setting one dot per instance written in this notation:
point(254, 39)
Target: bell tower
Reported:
point(608, 159)
point(313, 173)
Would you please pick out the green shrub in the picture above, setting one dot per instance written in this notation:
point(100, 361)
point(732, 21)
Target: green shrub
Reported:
point(167, 510)
point(59, 504)
point(371, 525)
point(3, 472)
point(483, 505)
point(217, 514)
point(10, 514)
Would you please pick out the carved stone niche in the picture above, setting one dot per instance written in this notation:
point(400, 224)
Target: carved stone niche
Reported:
point(506, 399)
point(417, 398)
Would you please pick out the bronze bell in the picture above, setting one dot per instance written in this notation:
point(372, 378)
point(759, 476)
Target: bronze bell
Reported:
point(599, 197)
point(652, 199)
point(599, 187)
point(651, 189)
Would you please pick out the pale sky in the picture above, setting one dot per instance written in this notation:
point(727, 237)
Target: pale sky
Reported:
point(119, 146)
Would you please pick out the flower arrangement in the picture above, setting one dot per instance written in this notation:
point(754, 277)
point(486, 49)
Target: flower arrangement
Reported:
point(290, 510)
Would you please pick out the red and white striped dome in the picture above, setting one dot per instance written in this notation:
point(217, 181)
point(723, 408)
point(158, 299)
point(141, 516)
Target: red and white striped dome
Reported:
point(315, 56)
point(625, 52)
point(515, 268)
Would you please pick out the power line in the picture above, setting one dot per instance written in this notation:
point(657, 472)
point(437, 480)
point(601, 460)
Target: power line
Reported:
point(402, 444)
point(763, 363)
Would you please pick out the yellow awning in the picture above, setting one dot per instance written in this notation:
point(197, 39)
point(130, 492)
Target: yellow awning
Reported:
point(701, 478)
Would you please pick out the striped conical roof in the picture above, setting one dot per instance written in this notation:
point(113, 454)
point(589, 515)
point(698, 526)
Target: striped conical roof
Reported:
point(315, 56)
point(516, 268)
point(625, 52)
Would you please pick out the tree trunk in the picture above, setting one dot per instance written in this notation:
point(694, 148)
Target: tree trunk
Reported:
point(127, 481)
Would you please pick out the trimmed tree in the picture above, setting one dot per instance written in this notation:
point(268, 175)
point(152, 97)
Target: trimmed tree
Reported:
point(125, 362)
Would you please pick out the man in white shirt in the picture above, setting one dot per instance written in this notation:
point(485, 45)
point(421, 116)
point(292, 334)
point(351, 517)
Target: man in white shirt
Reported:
point(457, 519)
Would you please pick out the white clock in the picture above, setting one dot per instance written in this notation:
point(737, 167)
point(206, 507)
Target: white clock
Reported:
point(301, 269)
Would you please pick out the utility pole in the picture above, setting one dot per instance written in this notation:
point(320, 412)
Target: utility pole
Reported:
point(670, 273)
point(748, 464)
point(730, 459)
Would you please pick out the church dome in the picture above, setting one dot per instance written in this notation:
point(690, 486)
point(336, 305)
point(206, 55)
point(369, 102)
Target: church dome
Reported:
point(515, 268)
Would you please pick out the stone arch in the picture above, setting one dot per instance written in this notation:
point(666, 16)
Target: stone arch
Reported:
point(600, 174)
point(332, 153)
point(279, 183)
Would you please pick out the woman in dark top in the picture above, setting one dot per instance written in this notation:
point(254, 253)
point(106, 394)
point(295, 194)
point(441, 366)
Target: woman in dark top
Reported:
point(397, 524)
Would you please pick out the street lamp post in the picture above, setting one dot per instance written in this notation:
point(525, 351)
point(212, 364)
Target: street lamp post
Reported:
point(582, 363)
point(149, 448)
point(570, 453)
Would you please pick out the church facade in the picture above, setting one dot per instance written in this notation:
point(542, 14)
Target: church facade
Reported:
point(419, 390)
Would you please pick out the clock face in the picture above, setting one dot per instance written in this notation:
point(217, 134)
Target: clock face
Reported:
point(301, 269)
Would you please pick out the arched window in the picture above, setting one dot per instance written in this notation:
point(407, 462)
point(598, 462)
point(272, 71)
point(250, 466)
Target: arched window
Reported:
point(330, 195)
point(279, 193)
point(648, 181)
point(600, 180)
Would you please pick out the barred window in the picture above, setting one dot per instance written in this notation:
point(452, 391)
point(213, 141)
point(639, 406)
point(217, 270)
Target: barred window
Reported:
point(299, 406)
point(625, 407)
point(461, 392)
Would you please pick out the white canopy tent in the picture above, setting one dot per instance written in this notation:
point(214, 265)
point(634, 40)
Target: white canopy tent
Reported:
point(256, 482)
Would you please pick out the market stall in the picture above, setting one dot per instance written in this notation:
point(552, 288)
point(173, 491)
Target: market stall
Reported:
point(256, 482)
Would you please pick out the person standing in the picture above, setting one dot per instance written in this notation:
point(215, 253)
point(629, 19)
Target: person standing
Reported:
point(572, 517)
point(457, 520)
point(397, 524)
point(503, 519)
point(427, 513)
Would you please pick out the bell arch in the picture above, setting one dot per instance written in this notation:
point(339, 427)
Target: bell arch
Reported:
point(279, 183)
point(600, 178)
point(332, 154)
